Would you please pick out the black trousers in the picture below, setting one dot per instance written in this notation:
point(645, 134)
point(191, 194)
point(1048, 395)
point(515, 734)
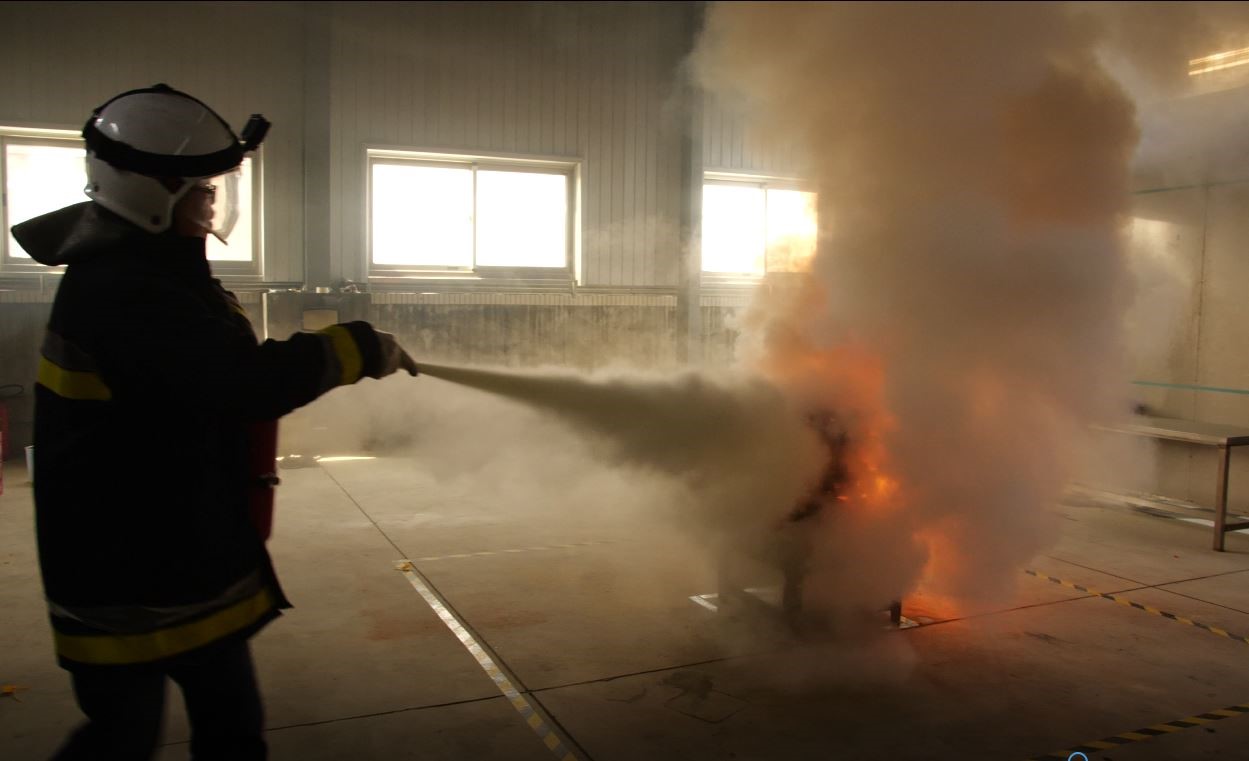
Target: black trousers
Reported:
point(125, 705)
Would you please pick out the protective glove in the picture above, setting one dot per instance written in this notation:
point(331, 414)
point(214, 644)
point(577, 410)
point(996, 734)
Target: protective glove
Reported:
point(394, 358)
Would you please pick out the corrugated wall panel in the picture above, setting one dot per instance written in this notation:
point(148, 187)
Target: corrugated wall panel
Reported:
point(730, 143)
point(582, 81)
point(60, 60)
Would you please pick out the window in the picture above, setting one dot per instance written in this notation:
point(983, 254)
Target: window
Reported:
point(41, 174)
point(45, 170)
point(437, 214)
point(753, 226)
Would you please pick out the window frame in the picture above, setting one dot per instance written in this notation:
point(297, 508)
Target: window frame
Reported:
point(765, 183)
point(10, 265)
point(570, 168)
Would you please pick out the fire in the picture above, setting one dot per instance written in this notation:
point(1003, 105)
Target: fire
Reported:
point(852, 378)
point(884, 487)
point(925, 604)
point(944, 562)
point(858, 379)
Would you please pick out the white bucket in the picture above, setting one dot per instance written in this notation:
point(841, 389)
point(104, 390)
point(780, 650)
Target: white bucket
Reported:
point(30, 463)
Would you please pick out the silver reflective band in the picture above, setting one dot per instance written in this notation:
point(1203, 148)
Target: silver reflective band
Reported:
point(133, 619)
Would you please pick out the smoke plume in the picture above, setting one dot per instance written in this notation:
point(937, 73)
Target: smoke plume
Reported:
point(1191, 115)
point(737, 445)
point(1147, 46)
point(972, 166)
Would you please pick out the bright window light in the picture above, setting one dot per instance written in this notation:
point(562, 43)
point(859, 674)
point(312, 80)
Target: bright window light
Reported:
point(734, 228)
point(792, 230)
point(522, 219)
point(1228, 59)
point(422, 215)
point(440, 212)
point(40, 178)
point(750, 228)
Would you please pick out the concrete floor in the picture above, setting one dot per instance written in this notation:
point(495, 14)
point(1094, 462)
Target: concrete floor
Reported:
point(600, 636)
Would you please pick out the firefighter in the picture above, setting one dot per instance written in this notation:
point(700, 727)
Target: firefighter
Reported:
point(149, 382)
point(796, 544)
point(790, 546)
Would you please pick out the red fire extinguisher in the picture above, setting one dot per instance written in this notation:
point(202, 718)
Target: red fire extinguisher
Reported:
point(262, 465)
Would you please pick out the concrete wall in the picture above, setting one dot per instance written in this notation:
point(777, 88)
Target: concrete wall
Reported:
point(1190, 246)
point(1193, 327)
point(583, 331)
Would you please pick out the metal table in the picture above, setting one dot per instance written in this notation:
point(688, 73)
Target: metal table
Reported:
point(1192, 432)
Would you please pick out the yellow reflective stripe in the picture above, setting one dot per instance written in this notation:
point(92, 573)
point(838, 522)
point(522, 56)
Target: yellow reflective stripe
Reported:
point(104, 649)
point(348, 353)
point(72, 384)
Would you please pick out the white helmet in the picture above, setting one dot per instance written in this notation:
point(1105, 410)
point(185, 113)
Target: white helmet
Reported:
point(146, 148)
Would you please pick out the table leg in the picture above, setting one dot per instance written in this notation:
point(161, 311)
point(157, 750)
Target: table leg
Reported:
point(1220, 498)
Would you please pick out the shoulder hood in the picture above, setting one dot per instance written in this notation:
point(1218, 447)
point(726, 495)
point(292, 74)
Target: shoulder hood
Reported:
point(69, 234)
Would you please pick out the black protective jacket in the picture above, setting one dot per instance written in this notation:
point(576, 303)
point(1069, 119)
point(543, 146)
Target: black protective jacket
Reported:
point(149, 378)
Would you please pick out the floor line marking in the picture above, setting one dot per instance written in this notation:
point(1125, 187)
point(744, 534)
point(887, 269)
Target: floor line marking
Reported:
point(1145, 733)
point(1139, 606)
point(536, 720)
point(485, 553)
point(1137, 584)
point(703, 601)
point(431, 596)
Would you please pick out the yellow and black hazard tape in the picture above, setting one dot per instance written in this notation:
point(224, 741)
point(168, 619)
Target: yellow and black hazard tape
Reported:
point(1145, 733)
point(1139, 606)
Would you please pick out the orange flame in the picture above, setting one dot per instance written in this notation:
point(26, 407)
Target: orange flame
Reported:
point(944, 562)
point(852, 377)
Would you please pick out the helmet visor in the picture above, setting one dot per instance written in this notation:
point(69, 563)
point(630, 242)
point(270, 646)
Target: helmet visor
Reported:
point(226, 203)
